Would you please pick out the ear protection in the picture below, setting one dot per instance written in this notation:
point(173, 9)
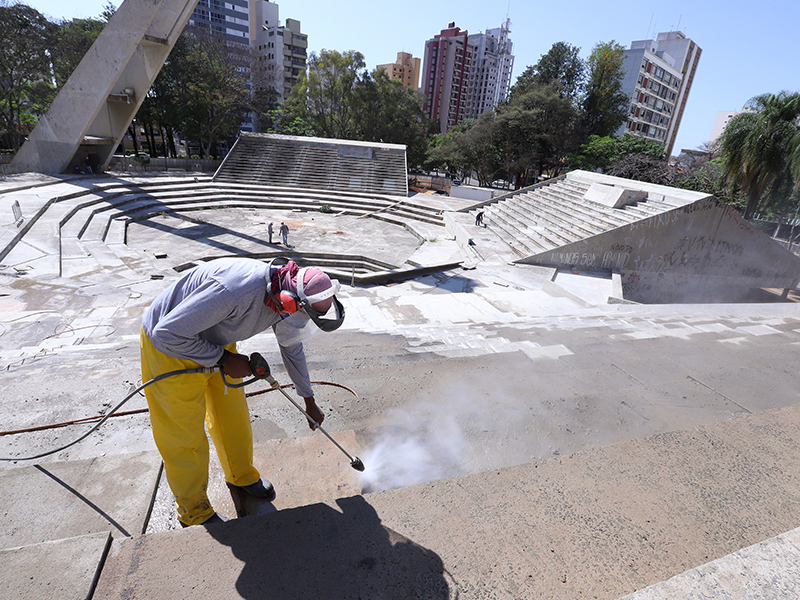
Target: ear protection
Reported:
point(291, 303)
point(288, 301)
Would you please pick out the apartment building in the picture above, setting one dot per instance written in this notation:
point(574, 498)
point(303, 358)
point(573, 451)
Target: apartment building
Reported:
point(405, 69)
point(230, 19)
point(658, 78)
point(490, 77)
point(282, 49)
point(446, 70)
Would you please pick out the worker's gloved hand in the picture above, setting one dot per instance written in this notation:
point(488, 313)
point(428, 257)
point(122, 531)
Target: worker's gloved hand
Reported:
point(314, 412)
point(236, 365)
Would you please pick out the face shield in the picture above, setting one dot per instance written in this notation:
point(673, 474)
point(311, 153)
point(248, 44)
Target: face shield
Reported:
point(320, 300)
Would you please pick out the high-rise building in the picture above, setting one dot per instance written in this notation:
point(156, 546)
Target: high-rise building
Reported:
point(230, 18)
point(658, 78)
point(282, 49)
point(405, 69)
point(446, 75)
point(490, 78)
point(721, 122)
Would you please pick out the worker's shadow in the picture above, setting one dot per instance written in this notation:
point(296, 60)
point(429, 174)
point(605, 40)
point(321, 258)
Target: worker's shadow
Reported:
point(315, 551)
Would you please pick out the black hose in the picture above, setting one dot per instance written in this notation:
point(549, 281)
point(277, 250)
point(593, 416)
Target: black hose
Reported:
point(111, 412)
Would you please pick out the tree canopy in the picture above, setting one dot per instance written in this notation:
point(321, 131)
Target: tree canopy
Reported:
point(202, 90)
point(598, 153)
point(25, 77)
point(605, 106)
point(760, 149)
point(324, 96)
point(338, 98)
point(561, 64)
point(73, 39)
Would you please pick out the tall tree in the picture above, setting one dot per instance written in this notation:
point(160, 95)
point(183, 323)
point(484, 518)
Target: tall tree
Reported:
point(385, 111)
point(536, 130)
point(563, 64)
point(471, 147)
point(605, 106)
point(206, 86)
point(108, 11)
point(760, 148)
point(25, 78)
point(69, 43)
point(324, 94)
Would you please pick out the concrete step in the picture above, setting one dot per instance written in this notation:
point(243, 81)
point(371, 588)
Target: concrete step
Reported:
point(318, 166)
point(61, 516)
point(765, 571)
point(599, 524)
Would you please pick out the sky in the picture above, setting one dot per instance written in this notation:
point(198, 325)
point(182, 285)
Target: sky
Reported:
point(748, 48)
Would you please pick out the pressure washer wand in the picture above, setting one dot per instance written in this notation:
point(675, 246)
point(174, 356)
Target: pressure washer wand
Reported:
point(260, 370)
point(355, 462)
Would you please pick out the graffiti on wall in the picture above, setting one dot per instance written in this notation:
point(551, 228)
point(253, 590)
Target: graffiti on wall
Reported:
point(702, 244)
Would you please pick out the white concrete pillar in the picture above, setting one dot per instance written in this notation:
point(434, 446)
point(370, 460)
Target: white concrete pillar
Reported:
point(91, 113)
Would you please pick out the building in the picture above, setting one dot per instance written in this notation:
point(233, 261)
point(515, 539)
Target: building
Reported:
point(446, 72)
point(405, 69)
point(230, 18)
point(282, 50)
point(721, 122)
point(658, 78)
point(490, 78)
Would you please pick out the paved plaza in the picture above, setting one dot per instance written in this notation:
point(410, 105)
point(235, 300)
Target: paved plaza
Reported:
point(523, 437)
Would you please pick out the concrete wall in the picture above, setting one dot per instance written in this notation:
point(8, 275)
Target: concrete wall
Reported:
point(469, 192)
point(700, 252)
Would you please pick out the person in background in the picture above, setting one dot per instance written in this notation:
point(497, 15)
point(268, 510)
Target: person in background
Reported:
point(285, 233)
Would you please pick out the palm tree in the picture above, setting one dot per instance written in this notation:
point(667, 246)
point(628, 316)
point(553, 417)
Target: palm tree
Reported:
point(760, 147)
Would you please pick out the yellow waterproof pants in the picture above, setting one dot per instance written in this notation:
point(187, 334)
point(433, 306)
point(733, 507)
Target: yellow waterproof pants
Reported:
point(179, 405)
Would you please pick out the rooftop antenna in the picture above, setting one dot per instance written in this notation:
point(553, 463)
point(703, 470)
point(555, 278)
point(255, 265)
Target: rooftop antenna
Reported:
point(647, 36)
point(679, 23)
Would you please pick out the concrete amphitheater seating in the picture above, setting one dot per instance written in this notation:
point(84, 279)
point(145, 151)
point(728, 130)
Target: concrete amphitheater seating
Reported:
point(89, 222)
point(550, 215)
point(316, 163)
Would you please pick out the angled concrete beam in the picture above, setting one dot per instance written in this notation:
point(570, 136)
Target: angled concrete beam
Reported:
point(91, 114)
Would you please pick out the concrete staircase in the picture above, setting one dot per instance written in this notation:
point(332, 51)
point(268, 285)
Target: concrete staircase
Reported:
point(85, 230)
point(316, 163)
point(550, 215)
point(560, 528)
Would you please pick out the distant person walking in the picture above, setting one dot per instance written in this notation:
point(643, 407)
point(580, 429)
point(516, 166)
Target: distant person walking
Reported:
point(285, 233)
point(479, 218)
point(269, 230)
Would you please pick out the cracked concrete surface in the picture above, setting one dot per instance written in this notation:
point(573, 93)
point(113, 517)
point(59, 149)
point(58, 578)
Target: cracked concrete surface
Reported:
point(471, 383)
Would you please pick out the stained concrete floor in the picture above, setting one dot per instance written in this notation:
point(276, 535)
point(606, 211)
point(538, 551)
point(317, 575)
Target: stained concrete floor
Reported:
point(470, 374)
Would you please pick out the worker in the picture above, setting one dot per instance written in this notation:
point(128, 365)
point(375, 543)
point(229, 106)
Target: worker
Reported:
point(284, 233)
point(197, 322)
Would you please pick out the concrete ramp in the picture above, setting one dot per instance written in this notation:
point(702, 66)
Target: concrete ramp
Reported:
point(57, 500)
point(316, 163)
point(669, 245)
point(337, 550)
point(57, 570)
point(598, 524)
